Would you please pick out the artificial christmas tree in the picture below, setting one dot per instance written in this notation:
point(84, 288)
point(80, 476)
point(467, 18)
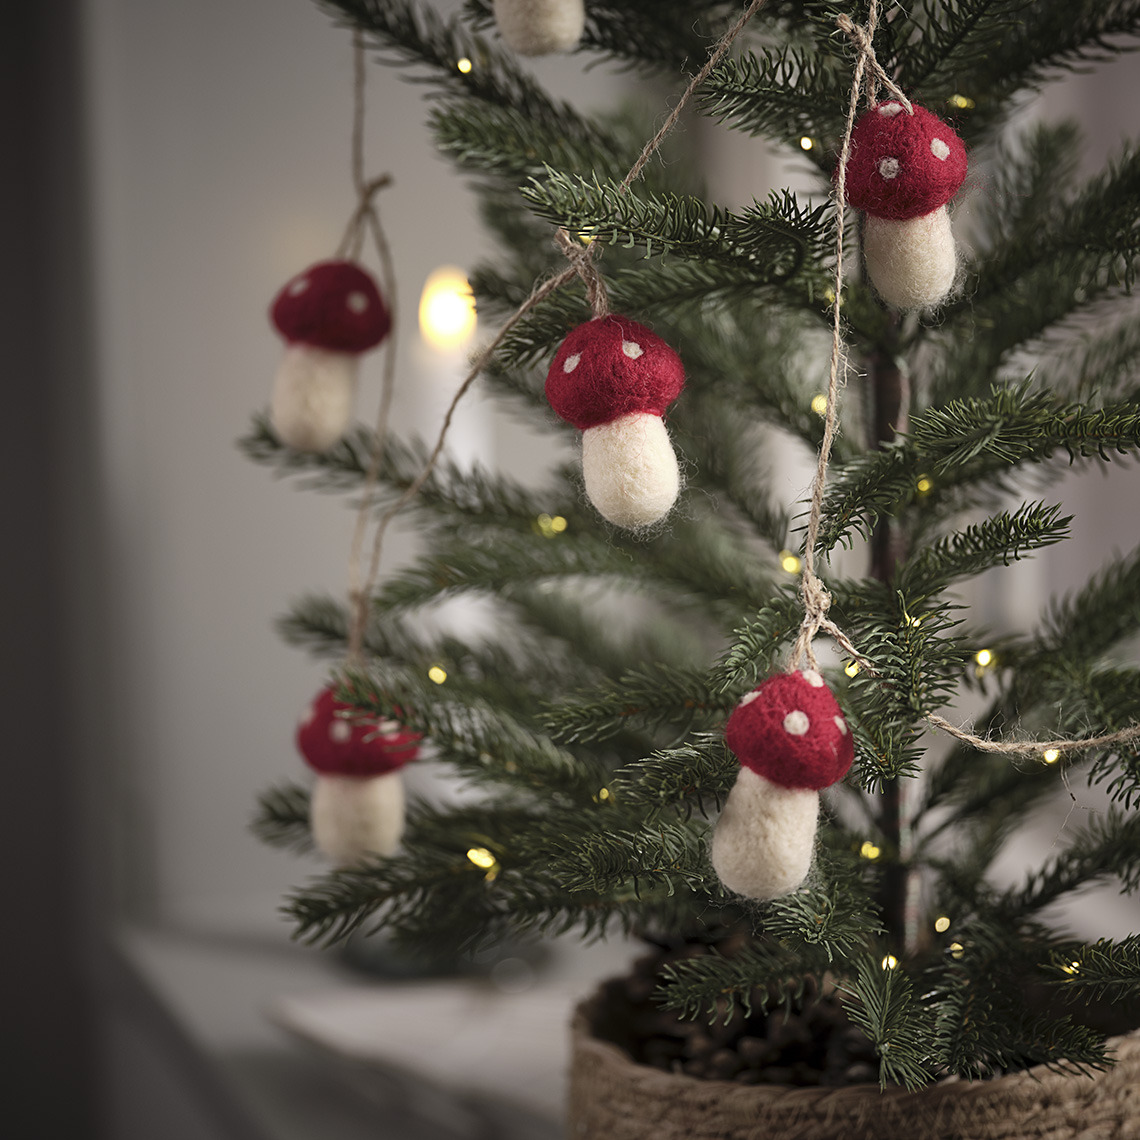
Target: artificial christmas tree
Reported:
point(592, 723)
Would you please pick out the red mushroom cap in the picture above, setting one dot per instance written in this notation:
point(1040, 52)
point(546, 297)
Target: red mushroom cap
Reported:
point(334, 305)
point(611, 367)
point(352, 745)
point(790, 731)
point(903, 166)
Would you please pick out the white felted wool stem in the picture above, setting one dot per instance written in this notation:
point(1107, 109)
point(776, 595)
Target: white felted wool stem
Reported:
point(630, 471)
point(764, 840)
point(911, 263)
point(313, 395)
point(354, 816)
point(539, 27)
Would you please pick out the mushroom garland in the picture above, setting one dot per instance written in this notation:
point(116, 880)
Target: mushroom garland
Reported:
point(614, 379)
point(357, 803)
point(902, 170)
point(791, 740)
point(328, 315)
point(539, 27)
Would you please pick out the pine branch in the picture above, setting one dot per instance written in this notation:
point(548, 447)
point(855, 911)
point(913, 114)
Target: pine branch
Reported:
point(968, 441)
point(1034, 179)
point(770, 241)
point(652, 696)
point(653, 291)
point(1100, 366)
point(997, 541)
point(434, 897)
point(511, 144)
point(416, 36)
point(1025, 287)
point(282, 818)
point(984, 1025)
point(726, 451)
point(784, 94)
point(1108, 847)
point(955, 37)
point(1088, 623)
point(482, 741)
point(1097, 970)
point(451, 494)
point(679, 778)
point(883, 1005)
point(665, 855)
point(713, 986)
point(827, 922)
point(584, 623)
point(1024, 53)
point(658, 35)
point(699, 563)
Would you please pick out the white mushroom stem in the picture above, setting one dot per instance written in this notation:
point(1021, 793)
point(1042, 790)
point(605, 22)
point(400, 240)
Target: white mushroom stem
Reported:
point(539, 27)
point(630, 470)
point(313, 396)
point(352, 817)
point(911, 263)
point(763, 843)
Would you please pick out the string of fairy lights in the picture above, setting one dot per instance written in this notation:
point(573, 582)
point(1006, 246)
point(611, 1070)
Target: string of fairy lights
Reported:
point(447, 321)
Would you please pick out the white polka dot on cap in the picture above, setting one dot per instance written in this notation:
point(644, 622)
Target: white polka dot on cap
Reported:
point(796, 723)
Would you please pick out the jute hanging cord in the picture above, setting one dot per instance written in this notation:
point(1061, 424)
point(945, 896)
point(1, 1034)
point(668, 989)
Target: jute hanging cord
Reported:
point(581, 266)
point(869, 76)
point(366, 217)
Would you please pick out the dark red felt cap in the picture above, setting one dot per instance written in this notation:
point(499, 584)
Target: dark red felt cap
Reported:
point(611, 367)
point(334, 305)
point(352, 744)
point(903, 166)
point(789, 730)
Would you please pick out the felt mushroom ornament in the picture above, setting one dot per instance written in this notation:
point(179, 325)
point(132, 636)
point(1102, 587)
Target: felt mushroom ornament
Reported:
point(328, 315)
point(613, 379)
point(791, 741)
point(902, 170)
point(540, 27)
point(357, 804)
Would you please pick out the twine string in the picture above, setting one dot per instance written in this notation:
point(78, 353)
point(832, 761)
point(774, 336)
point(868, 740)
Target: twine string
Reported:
point(581, 266)
point(816, 599)
point(366, 220)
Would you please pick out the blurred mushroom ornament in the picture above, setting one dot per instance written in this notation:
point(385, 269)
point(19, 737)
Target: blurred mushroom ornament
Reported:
point(540, 27)
point(357, 804)
point(791, 740)
point(613, 379)
point(328, 315)
point(902, 171)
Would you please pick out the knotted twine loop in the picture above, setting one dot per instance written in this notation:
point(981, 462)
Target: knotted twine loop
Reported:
point(581, 258)
point(816, 599)
point(863, 39)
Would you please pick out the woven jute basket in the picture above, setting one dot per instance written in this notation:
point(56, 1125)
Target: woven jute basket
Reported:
point(612, 1097)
